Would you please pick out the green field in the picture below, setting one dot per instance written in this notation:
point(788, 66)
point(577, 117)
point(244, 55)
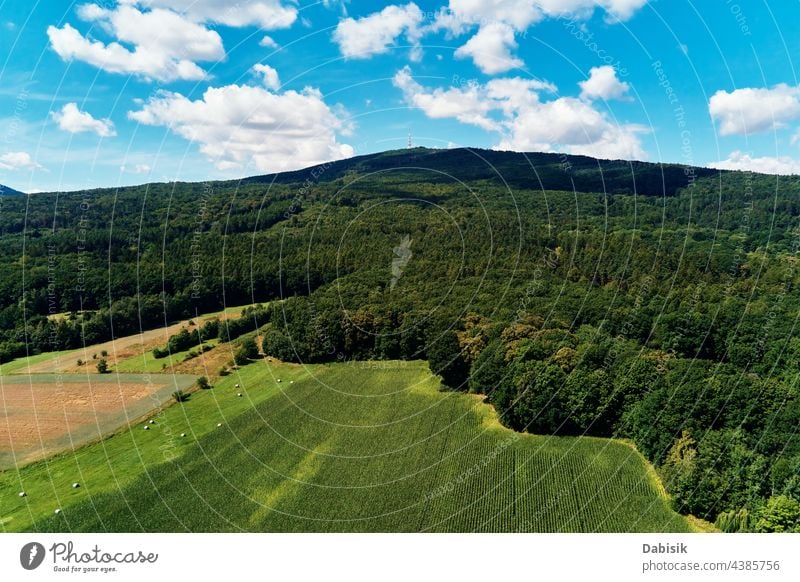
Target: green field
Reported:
point(21, 364)
point(344, 448)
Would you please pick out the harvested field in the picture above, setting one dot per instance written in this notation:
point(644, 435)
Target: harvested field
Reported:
point(44, 414)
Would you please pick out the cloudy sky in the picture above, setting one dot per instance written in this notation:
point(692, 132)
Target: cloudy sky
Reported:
point(122, 92)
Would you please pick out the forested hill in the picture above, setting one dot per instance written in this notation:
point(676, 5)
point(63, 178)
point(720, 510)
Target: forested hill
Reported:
point(6, 191)
point(656, 303)
point(546, 171)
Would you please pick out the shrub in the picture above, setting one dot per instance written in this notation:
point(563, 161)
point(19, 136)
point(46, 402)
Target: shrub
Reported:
point(247, 351)
point(733, 521)
point(202, 383)
point(780, 514)
point(180, 396)
point(102, 366)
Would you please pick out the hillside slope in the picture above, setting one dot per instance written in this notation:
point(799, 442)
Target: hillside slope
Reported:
point(535, 170)
point(7, 191)
point(361, 447)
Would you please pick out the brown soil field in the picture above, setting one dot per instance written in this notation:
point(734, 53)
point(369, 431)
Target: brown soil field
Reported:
point(41, 415)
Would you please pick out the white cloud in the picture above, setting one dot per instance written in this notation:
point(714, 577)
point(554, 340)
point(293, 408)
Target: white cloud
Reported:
point(603, 84)
point(12, 161)
point(266, 14)
point(268, 42)
point(165, 44)
point(467, 104)
point(269, 76)
point(375, 34)
point(737, 160)
point(490, 49)
point(238, 126)
point(749, 110)
point(71, 119)
point(137, 169)
point(513, 108)
point(499, 19)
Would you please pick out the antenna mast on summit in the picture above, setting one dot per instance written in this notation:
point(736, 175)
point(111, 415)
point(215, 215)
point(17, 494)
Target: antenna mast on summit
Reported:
point(409, 139)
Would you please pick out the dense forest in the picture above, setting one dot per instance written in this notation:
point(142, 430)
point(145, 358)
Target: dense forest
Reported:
point(641, 301)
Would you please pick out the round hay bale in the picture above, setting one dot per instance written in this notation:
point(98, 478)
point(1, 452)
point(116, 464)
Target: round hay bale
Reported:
point(146, 427)
point(183, 434)
point(291, 381)
point(23, 494)
point(57, 511)
point(279, 379)
point(236, 386)
point(219, 424)
point(152, 421)
point(239, 394)
point(76, 485)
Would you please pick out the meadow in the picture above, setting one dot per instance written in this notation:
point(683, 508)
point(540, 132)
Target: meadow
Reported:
point(338, 447)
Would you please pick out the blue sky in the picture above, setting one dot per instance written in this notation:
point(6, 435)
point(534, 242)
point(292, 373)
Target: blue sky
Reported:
point(120, 92)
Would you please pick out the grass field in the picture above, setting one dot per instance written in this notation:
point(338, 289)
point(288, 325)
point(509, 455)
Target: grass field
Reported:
point(342, 448)
point(20, 365)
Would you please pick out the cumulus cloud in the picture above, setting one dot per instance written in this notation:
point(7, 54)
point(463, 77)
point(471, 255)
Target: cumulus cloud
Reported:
point(514, 108)
point(749, 110)
point(523, 13)
point(737, 160)
point(71, 119)
point(466, 104)
point(268, 75)
point(12, 161)
point(268, 42)
point(603, 84)
point(499, 19)
point(165, 45)
point(238, 126)
point(375, 34)
point(490, 49)
point(266, 14)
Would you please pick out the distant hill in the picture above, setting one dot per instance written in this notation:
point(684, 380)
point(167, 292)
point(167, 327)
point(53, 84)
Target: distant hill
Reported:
point(6, 191)
point(548, 171)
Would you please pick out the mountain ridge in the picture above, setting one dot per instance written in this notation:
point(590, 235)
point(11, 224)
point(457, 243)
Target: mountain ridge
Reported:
point(529, 170)
point(7, 191)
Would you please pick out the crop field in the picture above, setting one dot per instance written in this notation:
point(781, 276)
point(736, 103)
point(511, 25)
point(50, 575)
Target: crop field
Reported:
point(46, 413)
point(341, 447)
